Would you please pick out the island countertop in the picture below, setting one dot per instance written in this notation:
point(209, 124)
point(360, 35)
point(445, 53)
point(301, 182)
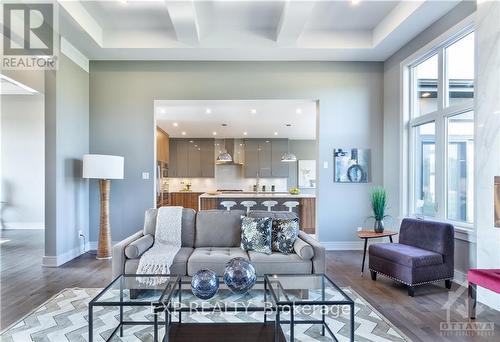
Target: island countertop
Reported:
point(255, 195)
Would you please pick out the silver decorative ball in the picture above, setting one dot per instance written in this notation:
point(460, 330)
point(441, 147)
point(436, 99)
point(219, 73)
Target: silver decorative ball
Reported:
point(205, 284)
point(239, 275)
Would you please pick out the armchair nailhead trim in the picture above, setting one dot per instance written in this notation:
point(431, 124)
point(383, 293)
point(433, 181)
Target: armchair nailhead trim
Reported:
point(404, 282)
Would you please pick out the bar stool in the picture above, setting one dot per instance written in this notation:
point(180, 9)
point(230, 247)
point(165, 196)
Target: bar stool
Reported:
point(228, 204)
point(248, 205)
point(269, 204)
point(291, 204)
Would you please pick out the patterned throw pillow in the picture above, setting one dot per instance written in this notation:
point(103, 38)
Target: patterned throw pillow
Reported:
point(285, 232)
point(256, 234)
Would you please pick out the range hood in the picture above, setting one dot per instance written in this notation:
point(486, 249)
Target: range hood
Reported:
point(235, 147)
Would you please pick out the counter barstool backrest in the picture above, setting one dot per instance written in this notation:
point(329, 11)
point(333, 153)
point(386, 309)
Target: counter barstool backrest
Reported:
point(228, 204)
point(269, 204)
point(248, 205)
point(291, 204)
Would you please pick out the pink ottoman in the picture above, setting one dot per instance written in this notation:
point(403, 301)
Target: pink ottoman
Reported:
point(489, 279)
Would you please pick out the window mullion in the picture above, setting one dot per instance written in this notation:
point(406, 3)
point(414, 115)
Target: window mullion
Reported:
point(441, 141)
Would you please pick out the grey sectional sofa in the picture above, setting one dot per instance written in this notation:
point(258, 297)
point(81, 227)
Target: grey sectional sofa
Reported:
point(210, 238)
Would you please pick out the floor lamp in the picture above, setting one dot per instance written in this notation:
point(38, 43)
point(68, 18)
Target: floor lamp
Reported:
point(104, 168)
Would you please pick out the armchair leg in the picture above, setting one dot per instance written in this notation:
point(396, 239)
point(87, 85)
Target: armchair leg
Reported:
point(472, 300)
point(411, 291)
point(373, 274)
point(447, 283)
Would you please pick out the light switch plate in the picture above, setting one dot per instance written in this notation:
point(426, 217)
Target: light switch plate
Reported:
point(145, 175)
point(325, 165)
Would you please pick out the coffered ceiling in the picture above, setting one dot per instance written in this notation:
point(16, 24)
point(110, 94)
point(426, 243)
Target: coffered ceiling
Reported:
point(245, 30)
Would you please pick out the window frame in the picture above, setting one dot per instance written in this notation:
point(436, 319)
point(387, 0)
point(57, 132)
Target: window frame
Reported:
point(440, 117)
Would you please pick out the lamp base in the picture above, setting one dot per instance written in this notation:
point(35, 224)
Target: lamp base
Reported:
point(94, 253)
point(104, 243)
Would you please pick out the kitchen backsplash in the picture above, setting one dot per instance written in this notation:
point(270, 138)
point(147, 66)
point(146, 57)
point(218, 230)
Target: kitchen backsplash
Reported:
point(227, 177)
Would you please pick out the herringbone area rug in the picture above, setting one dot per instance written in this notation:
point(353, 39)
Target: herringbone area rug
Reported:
point(64, 318)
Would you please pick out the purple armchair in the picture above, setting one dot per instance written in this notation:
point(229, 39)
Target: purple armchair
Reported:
point(424, 254)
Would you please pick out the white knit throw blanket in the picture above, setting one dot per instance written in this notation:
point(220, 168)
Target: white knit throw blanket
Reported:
point(159, 258)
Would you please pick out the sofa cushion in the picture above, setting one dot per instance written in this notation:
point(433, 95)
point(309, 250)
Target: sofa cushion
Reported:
point(213, 258)
point(406, 255)
point(188, 225)
point(256, 234)
point(285, 232)
point(303, 249)
point(139, 246)
point(272, 214)
point(218, 228)
point(179, 266)
point(279, 263)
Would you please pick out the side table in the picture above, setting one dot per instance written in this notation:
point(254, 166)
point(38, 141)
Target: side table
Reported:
point(370, 234)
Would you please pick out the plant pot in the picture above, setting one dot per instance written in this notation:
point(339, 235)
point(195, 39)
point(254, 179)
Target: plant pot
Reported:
point(378, 227)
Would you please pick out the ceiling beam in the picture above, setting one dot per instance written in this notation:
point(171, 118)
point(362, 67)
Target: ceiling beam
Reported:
point(80, 15)
point(293, 19)
point(185, 21)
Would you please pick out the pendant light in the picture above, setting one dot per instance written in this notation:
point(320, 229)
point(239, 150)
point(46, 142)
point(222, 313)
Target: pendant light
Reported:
point(224, 156)
point(288, 157)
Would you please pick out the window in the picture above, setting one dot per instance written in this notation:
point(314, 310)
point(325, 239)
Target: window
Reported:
point(441, 132)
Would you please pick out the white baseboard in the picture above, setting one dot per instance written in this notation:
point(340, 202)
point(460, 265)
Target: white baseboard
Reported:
point(56, 261)
point(24, 225)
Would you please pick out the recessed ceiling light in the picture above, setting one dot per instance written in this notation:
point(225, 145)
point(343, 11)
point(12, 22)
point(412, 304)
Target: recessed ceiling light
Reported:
point(245, 133)
point(163, 110)
point(275, 133)
point(355, 2)
point(175, 124)
point(253, 111)
point(208, 111)
point(214, 133)
point(298, 111)
point(183, 133)
point(426, 94)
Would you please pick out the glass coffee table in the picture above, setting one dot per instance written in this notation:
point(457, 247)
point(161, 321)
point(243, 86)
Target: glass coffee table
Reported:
point(298, 299)
point(280, 298)
point(127, 290)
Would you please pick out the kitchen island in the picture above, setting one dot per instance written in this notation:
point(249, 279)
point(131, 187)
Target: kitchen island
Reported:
point(306, 209)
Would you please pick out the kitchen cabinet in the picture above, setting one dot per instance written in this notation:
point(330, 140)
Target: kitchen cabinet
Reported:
point(207, 158)
point(264, 156)
point(278, 148)
point(162, 148)
point(191, 158)
point(184, 199)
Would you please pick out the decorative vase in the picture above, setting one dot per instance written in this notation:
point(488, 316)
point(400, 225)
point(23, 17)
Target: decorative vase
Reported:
point(239, 275)
point(378, 227)
point(205, 284)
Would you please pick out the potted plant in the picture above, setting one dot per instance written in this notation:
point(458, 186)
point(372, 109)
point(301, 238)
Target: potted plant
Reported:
point(378, 200)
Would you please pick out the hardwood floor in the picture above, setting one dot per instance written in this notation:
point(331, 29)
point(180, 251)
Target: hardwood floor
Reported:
point(25, 285)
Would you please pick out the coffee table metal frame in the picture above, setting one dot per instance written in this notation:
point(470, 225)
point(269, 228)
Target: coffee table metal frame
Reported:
point(281, 305)
point(164, 297)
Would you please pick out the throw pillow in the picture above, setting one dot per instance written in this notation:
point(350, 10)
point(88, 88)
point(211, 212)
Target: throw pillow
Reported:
point(256, 234)
point(285, 232)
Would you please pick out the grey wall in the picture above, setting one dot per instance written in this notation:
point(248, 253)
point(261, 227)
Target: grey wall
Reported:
point(67, 139)
point(22, 149)
point(122, 123)
point(303, 149)
point(392, 117)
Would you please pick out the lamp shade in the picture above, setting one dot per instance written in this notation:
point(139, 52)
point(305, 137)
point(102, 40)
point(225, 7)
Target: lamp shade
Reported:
point(101, 166)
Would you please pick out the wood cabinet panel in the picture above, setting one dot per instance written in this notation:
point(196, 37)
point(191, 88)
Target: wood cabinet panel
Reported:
point(207, 158)
point(251, 158)
point(307, 214)
point(162, 145)
point(184, 199)
point(278, 148)
point(192, 158)
point(265, 158)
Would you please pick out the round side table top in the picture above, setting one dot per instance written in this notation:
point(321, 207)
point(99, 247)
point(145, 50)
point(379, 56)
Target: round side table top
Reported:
point(367, 234)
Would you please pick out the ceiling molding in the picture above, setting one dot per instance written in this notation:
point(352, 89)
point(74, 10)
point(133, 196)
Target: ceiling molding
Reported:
point(185, 21)
point(74, 54)
point(76, 10)
point(293, 19)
